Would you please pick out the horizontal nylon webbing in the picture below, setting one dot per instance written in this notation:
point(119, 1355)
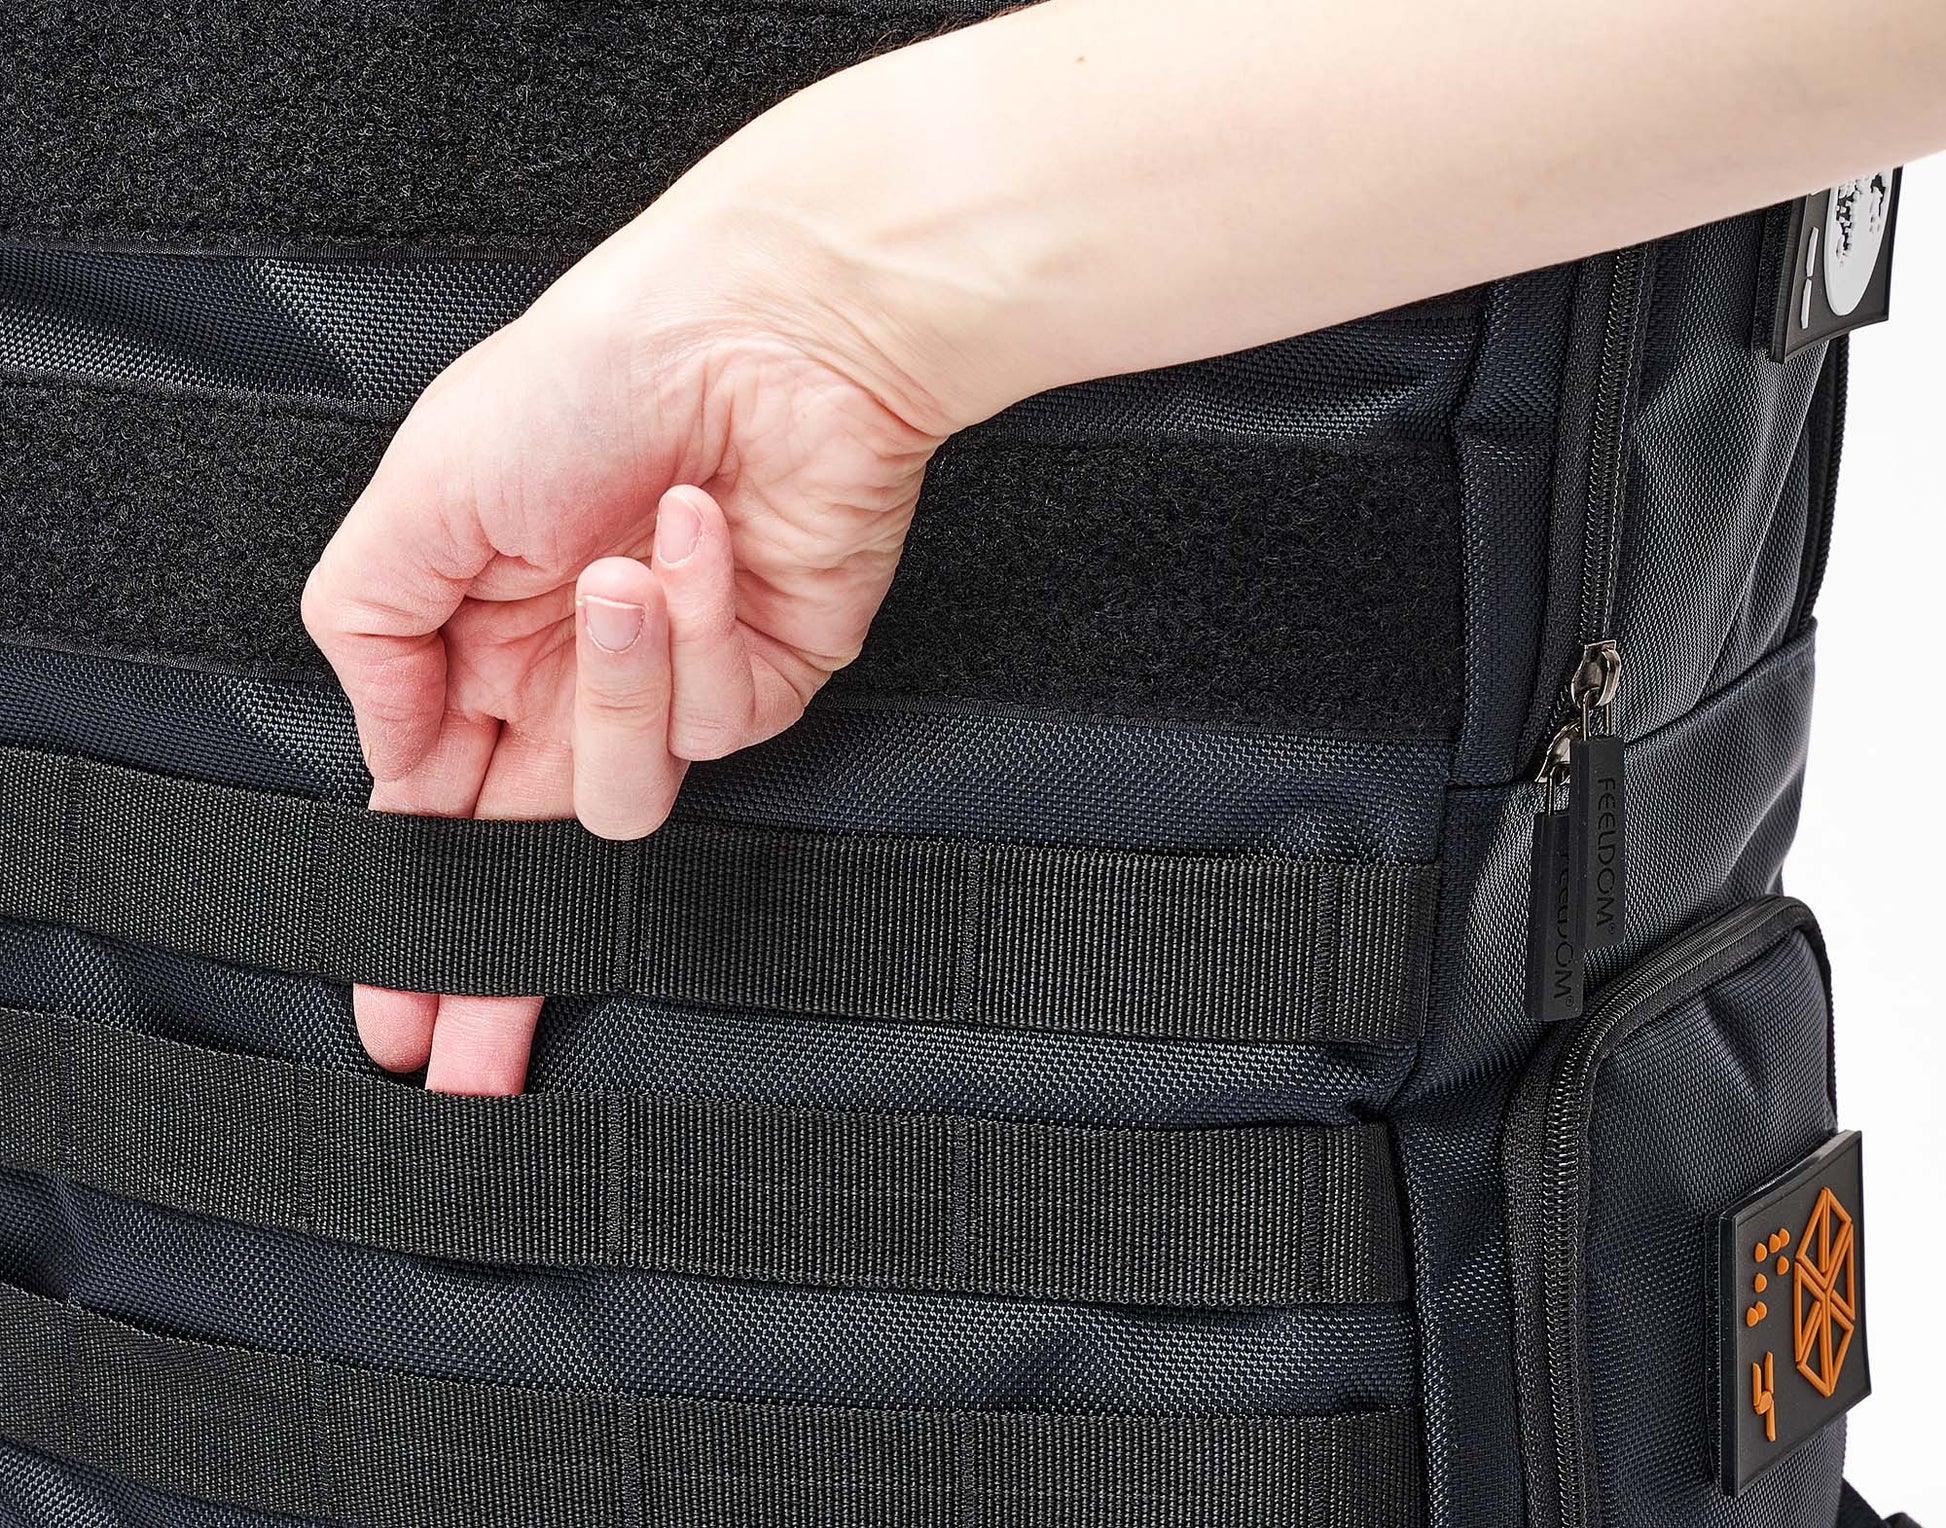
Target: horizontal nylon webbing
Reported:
point(288, 1433)
point(916, 929)
point(1261, 1216)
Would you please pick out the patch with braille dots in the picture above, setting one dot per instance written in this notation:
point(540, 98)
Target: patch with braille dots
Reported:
point(1791, 1306)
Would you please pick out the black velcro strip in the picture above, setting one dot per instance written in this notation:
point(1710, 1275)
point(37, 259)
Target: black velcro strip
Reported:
point(1257, 1216)
point(278, 1433)
point(1212, 947)
point(1305, 585)
point(528, 125)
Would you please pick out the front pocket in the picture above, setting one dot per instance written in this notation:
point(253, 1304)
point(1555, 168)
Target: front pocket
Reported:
point(1695, 1078)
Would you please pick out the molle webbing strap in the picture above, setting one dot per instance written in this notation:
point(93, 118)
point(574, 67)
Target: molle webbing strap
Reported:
point(288, 1433)
point(717, 915)
point(1259, 1216)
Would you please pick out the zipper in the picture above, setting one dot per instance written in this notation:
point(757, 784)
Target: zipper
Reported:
point(1580, 823)
point(1621, 349)
point(1545, 1161)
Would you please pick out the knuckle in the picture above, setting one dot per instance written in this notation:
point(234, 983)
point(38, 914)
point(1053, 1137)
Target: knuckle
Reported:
point(389, 705)
point(620, 704)
point(317, 609)
point(698, 621)
point(698, 738)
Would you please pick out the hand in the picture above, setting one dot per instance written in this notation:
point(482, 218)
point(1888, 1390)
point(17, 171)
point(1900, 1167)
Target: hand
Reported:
point(639, 526)
point(713, 429)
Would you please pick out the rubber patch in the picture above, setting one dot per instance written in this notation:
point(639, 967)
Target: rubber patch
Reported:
point(1791, 1311)
point(1835, 263)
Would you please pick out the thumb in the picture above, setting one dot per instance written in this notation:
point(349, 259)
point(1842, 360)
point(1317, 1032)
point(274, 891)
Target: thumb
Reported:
point(732, 687)
point(625, 778)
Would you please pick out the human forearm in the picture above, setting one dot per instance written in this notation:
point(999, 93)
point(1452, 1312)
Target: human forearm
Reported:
point(640, 526)
point(1095, 186)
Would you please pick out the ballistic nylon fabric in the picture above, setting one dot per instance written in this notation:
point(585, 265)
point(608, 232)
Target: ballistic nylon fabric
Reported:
point(843, 768)
point(38, 1489)
point(709, 1186)
point(375, 1449)
point(1506, 443)
point(1713, 802)
point(374, 332)
point(370, 333)
point(1721, 480)
point(1735, 1087)
point(940, 930)
point(629, 1044)
point(1717, 575)
point(653, 1333)
point(1061, 781)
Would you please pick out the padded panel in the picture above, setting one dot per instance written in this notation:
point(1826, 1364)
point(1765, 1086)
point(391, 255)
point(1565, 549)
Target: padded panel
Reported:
point(341, 123)
point(1300, 585)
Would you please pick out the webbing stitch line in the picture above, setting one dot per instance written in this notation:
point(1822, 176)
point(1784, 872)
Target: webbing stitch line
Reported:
point(1208, 947)
point(401, 1451)
point(1234, 1217)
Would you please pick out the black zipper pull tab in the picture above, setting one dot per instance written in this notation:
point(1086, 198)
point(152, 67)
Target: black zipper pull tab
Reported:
point(1555, 965)
point(1595, 802)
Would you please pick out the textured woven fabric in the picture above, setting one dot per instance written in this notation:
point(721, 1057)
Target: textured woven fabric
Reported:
point(374, 332)
point(730, 1190)
point(1455, 488)
point(1032, 779)
point(664, 1334)
point(1721, 481)
point(37, 1490)
point(1714, 551)
point(940, 930)
point(383, 1450)
point(361, 332)
point(1713, 803)
point(1692, 1114)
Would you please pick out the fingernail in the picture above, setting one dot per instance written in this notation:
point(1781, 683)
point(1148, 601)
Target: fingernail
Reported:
point(613, 626)
point(677, 529)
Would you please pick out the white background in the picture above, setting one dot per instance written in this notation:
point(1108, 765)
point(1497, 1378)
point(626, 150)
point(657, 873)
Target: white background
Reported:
point(1871, 854)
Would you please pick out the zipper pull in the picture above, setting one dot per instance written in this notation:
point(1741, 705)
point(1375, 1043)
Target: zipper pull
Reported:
point(1595, 804)
point(1555, 964)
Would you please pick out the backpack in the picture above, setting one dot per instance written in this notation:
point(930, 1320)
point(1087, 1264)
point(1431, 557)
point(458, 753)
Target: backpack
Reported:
point(1273, 1008)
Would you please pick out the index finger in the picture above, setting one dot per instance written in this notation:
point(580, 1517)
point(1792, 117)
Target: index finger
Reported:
point(396, 569)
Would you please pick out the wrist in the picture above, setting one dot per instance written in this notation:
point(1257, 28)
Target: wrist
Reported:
point(853, 220)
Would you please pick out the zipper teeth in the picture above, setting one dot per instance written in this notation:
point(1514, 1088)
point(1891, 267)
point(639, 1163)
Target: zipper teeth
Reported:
point(1608, 454)
point(1569, 1083)
point(1607, 490)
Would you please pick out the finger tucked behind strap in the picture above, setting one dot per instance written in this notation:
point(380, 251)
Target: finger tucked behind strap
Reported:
point(480, 1045)
point(397, 1027)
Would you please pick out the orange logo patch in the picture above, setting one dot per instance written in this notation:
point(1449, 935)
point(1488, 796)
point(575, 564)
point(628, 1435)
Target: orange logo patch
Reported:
point(1825, 1295)
point(1793, 1336)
